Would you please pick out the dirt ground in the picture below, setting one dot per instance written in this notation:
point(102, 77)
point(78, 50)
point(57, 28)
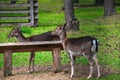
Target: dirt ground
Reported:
point(46, 73)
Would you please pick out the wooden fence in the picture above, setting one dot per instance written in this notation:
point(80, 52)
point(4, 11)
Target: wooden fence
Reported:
point(13, 13)
point(91, 5)
point(8, 48)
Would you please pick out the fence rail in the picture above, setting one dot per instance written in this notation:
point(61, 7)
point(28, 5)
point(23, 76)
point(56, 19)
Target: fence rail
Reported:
point(92, 5)
point(30, 9)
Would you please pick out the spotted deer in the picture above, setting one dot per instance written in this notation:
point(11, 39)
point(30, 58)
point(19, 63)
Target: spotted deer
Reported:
point(47, 36)
point(86, 46)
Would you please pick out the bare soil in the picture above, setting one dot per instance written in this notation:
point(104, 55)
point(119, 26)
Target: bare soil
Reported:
point(46, 73)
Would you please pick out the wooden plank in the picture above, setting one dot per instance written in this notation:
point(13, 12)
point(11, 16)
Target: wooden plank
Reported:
point(14, 5)
point(19, 11)
point(36, 8)
point(7, 63)
point(10, 23)
point(23, 17)
point(30, 46)
point(56, 59)
point(13, 9)
point(30, 43)
point(16, 24)
point(92, 5)
point(87, 5)
point(31, 12)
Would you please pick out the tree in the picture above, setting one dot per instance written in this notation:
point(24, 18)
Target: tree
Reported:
point(109, 7)
point(72, 24)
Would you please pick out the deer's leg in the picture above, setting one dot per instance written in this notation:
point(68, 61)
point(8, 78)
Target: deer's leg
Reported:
point(96, 63)
point(29, 62)
point(33, 59)
point(72, 65)
point(32, 56)
point(91, 62)
point(74, 58)
point(91, 70)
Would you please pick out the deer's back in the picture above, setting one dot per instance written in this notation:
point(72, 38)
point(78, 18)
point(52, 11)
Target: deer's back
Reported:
point(47, 36)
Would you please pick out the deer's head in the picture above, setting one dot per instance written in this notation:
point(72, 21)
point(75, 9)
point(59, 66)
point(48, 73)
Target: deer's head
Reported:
point(14, 32)
point(60, 31)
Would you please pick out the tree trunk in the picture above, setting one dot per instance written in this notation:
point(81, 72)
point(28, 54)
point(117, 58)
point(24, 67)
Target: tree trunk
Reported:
point(109, 7)
point(72, 24)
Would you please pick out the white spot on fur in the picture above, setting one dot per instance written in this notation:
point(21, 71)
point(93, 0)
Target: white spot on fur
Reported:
point(75, 53)
point(94, 46)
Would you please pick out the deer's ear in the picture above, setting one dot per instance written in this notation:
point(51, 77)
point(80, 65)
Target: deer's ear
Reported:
point(15, 28)
point(64, 26)
point(18, 28)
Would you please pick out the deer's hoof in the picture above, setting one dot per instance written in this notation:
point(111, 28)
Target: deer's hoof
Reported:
point(98, 76)
point(89, 77)
point(30, 71)
point(71, 76)
point(57, 71)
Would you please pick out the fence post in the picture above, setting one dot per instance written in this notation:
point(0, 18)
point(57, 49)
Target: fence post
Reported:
point(56, 59)
point(36, 13)
point(33, 12)
point(7, 63)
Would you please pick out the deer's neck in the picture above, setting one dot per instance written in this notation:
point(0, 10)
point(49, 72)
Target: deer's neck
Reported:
point(64, 40)
point(21, 38)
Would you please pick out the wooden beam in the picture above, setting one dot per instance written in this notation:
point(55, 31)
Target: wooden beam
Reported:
point(14, 5)
point(87, 5)
point(22, 17)
point(31, 12)
point(11, 18)
point(30, 46)
point(92, 5)
point(20, 11)
point(56, 59)
point(7, 63)
point(30, 43)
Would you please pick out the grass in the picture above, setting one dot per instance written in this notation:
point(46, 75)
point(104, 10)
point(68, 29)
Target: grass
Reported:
point(92, 23)
point(109, 77)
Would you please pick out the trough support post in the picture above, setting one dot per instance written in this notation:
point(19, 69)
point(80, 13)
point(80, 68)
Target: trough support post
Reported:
point(7, 63)
point(56, 59)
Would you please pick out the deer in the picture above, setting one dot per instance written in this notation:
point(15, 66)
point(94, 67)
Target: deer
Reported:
point(86, 46)
point(47, 36)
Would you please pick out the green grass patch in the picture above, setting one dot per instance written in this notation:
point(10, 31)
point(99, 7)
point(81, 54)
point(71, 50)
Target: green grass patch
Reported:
point(51, 5)
point(108, 77)
point(50, 19)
